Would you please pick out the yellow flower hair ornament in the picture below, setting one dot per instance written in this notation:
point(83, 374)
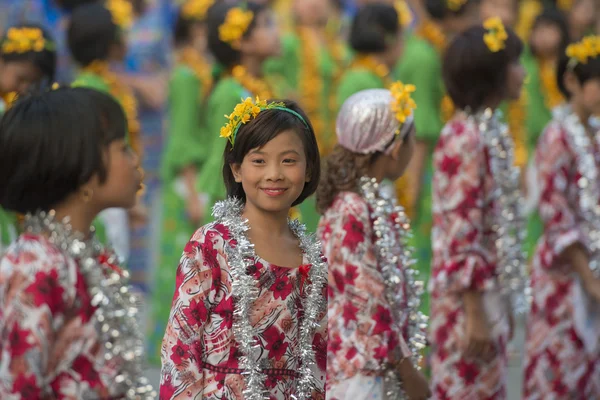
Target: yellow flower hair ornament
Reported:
point(581, 52)
point(196, 9)
point(246, 111)
point(402, 103)
point(235, 26)
point(121, 11)
point(495, 36)
point(405, 15)
point(23, 40)
point(455, 5)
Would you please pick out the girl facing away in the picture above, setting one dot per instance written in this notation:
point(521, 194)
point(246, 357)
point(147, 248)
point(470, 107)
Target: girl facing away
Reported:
point(478, 272)
point(248, 319)
point(27, 57)
point(373, 310)
point(562, 347)
point(68, 323)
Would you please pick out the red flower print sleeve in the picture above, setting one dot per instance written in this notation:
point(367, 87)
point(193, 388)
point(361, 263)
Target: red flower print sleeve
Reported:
point(461, 258)
point(555, 171)
point(362, 334)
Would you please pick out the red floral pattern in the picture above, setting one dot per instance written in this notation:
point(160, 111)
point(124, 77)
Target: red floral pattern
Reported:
point(48, 346)
point(464, 258)
point(199, 352)
point(362, 335)
point(556, 364)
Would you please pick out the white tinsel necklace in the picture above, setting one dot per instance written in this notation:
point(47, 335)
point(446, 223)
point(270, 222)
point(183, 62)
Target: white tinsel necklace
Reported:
point(393, 253)
point(587, 184)
point(508, 218)
point(245, 290)
point(116, 308)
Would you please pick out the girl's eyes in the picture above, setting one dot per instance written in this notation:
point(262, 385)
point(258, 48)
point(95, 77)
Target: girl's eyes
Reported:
point(259, 161)
point(289, 161)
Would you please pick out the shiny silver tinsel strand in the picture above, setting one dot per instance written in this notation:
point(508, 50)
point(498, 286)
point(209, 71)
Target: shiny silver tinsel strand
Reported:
point(245, 290)
point(392, 232)
point(509, 221)
point(116, 307)
point(589, 190)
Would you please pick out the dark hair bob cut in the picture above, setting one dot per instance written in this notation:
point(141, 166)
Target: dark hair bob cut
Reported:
point(372, 28)
point(52, 143)
point(261, 130)
point(438, 9)
point(91, 33)
point(472, 73)
point(226, 55)
point(583, 72)
point(553, 16)
point(44, 60)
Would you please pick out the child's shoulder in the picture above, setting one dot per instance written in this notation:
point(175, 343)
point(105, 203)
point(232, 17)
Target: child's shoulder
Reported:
point(349, 203)
point(214, 234)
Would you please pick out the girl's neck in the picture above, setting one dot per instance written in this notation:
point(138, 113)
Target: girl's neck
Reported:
point(583, 114)
point(80, 217)
point(264, 223)
point(252, 64)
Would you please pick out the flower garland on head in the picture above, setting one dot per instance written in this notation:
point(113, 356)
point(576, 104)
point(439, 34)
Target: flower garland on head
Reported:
point(237, 22)
point(124, 96)
point(245, 290)
point(495, 36)
point(582, 51)
point(255, 85)
point(23, 40)
point(508, 220)
point(403, 104)
point(392, 237)
point(196, 9)
point(115, 307)
point(121, 11)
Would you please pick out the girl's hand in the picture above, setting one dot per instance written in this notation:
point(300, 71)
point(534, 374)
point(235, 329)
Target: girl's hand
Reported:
point(478, 337)
point(194, 209)
point(414, 384)
point(592, 287)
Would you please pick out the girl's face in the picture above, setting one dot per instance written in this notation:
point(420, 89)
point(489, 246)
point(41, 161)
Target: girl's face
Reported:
point(582, 16)
point(273, 176)
point(515, 79)
point(18, 76)
point(400, 155)
point(312, 12)
point(123, 178)
point(585, 97)
point(264, 40)
point(546, 39)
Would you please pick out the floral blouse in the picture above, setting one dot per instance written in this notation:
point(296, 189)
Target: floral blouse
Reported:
point(363, 337)
point(50, 347)
point(200, 357)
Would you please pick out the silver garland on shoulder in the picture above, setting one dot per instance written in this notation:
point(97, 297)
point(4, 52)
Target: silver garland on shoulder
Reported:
point(115, 317)
point(589, 190)
point(245, 289)
point(509, 221)
point(394, 254)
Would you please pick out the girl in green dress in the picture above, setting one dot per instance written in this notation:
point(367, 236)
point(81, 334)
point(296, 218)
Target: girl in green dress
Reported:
point(27, 57)
point(421, 65)
point(241, 37)
point(183, 158)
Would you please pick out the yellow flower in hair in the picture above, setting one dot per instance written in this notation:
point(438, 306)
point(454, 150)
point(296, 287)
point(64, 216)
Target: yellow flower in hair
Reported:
point(235, 26)
point(405, 16)
point(196, 9)
point(243, 113)
point(495, 37)
point(121, 11)
point(22, 40)
point(581, 52)
point(403, 104)
point(455, 5)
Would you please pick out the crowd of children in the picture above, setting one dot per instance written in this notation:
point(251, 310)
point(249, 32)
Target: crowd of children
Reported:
point(299, 147)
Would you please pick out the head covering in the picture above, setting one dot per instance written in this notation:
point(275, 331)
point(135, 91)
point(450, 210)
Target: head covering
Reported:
point(366, 122)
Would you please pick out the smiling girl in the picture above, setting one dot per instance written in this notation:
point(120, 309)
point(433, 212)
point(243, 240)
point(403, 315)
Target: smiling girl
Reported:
point(249, 313)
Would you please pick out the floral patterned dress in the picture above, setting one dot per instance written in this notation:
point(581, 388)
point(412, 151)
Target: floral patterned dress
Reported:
point(200, 356)
point(363, 338)
point(557, 364)
point(50, 347)
point(464, 258)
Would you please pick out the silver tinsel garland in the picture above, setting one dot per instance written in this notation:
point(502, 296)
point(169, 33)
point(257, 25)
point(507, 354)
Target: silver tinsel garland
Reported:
point(509, 221)
point(588, 185)
point(245, 289)
point(116, 307)
point(393, 254)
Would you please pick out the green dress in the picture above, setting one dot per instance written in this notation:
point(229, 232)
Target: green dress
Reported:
point(355, 80)
point(421, 65)
point(226, 94)
point(184, 147)
point(286, 75)
point(8, 229)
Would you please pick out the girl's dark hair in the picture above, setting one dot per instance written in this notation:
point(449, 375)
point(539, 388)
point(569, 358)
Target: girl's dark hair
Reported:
point(372, 28)
point(91, 33)
point(553, 16)
point(52, 143)
point(341, 173)
point(226, 55)
point(183, 28)
point(438, 9)
point(472, 73)
point(44, 60)
point(262, 129)
point(583, 72)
